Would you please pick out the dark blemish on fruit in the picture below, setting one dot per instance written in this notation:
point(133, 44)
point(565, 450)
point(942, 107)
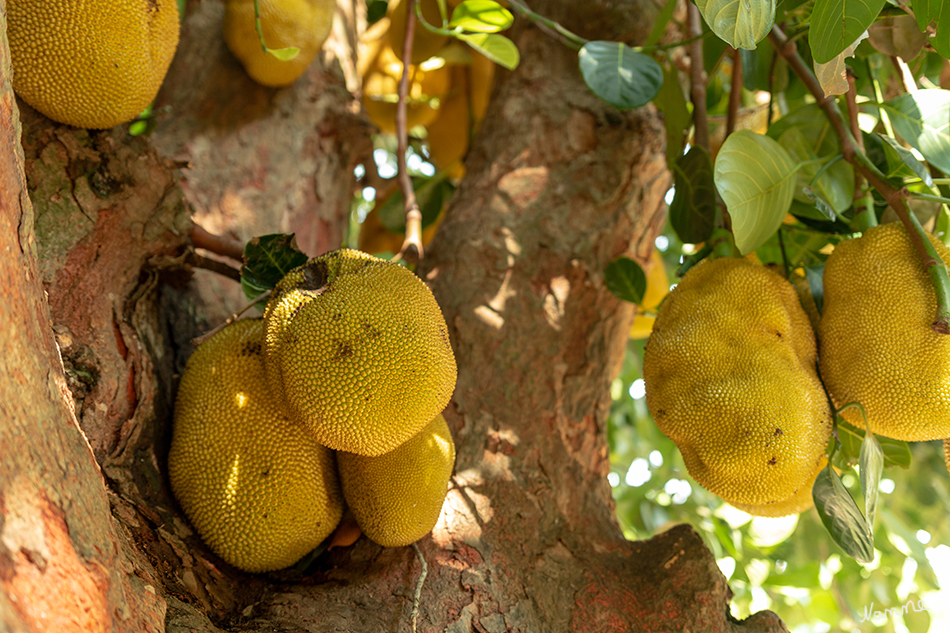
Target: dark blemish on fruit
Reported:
point(773, 461)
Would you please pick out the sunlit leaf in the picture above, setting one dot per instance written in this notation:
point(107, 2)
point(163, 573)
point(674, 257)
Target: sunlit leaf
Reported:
point(927, 11)
point(896, 452)
point(266, 260)
point(872, 466)
point(755, 177)
point(619, 75)
point(481, 16)
point(836, 24)
point(922, 119)
point(898, 156)
point(694, 200)
point(284, 54)
point(841, 516)
point(815, 277)
point(741, 24)
point(495, 47)
point(671, 101)
point(625, 279)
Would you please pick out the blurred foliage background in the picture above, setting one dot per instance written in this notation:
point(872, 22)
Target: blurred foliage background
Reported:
point(790, 564)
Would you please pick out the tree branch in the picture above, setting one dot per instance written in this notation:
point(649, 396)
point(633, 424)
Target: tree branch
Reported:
point(933, 265)
point(217, 244)
point(412, 246)
point(735, 92)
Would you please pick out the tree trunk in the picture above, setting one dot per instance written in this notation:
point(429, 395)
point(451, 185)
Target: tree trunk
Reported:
point(558, 184)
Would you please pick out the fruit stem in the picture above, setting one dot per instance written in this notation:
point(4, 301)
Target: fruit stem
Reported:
point(933, 265)
point(231, 319)
point(411, 250)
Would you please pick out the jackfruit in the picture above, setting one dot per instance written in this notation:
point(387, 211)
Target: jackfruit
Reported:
point(877, 347)
point(428, 84)
point(796, 504)
point(730, 377)
point(397, 497)
point(92, 64)
point(260, 491)
point(658, 286)
point(425, 43)
point(359, 350)
point(303, 24)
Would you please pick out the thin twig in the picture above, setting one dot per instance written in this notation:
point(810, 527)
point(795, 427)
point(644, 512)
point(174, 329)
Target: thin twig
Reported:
point(231, 319)
point(735, 92)
point(863, 201)
point(198, 261)
point(217, 244)
point(933, 265)
point(419, 583)
point(697, 79)
point(411, 249)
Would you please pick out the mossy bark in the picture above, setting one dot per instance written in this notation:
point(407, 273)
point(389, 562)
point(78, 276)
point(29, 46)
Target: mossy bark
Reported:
point(558, 184)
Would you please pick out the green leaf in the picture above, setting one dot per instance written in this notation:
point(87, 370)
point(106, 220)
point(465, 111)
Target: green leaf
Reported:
point(922, 119)
point(841, 516)
point(896, 452)
point(481, 16)
point(671, 101)
point(816, 283)
point(625, 279)
point(755, 177)
point(820, 203)
point(266, 260)
point(284, 54)
point(836, 24)
point(619, 75)
point(376, 11)
point(694, 200)
point(741, 24)
point(898, 157)
point(431, 192)
point(872, 466)
point(927, 11)
point(497, 48)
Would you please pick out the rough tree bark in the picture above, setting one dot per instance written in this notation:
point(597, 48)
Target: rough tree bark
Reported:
point(558, 184)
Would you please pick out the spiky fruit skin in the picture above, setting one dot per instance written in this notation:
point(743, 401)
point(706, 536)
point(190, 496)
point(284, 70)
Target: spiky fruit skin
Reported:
point(260, 491)
point(92, 64)
point(877, 346)
point(302, 24)
point(360, 351)
point(730, 377)
point(397, 497)
point(796, 504)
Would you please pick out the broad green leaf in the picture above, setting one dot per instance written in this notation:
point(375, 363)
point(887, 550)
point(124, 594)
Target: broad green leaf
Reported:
point(927, 11)
point(376, 11)
point(284, 54)
point(431, 192)
point(836, 24)
point(750, 68)
point(872, 465)
point(625, 279)
point(922, 119)
point(841, 516)
point(898, 157)
point(816, 283)
point(756, 178)
point(676, 117)
point(619, 75)
point(497, 48)
point(896, 452)
point(832, 183)
point(897, 36)
point(741, 24)
point(694, 200)
point(481, 16)
point(266, 260)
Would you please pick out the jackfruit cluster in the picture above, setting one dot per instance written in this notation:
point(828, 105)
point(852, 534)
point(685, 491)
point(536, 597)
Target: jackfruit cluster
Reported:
point(333, 398)
point(731, 378)
point(92, 64)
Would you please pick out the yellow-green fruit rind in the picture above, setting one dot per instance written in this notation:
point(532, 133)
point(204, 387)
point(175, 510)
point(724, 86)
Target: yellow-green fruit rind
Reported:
point(730, 377)
point(796, 504)
point(877, 347)
point(397, 497)
point(301, 24)
point(260, 491)
point(92, 64)
point(360, 351)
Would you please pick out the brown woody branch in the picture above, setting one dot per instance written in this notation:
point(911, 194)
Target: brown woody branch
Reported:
point(412, 246)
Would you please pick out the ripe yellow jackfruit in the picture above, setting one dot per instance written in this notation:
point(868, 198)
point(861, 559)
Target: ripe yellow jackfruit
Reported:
point(258, 488)
point(92, 64)
point(730, 377)
point(428, 83)
point(425, 43)
point(796, 504)
point(397, 497)
point(303, 24)
point(658, 286)
point(360, 351)
point(877, 347)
